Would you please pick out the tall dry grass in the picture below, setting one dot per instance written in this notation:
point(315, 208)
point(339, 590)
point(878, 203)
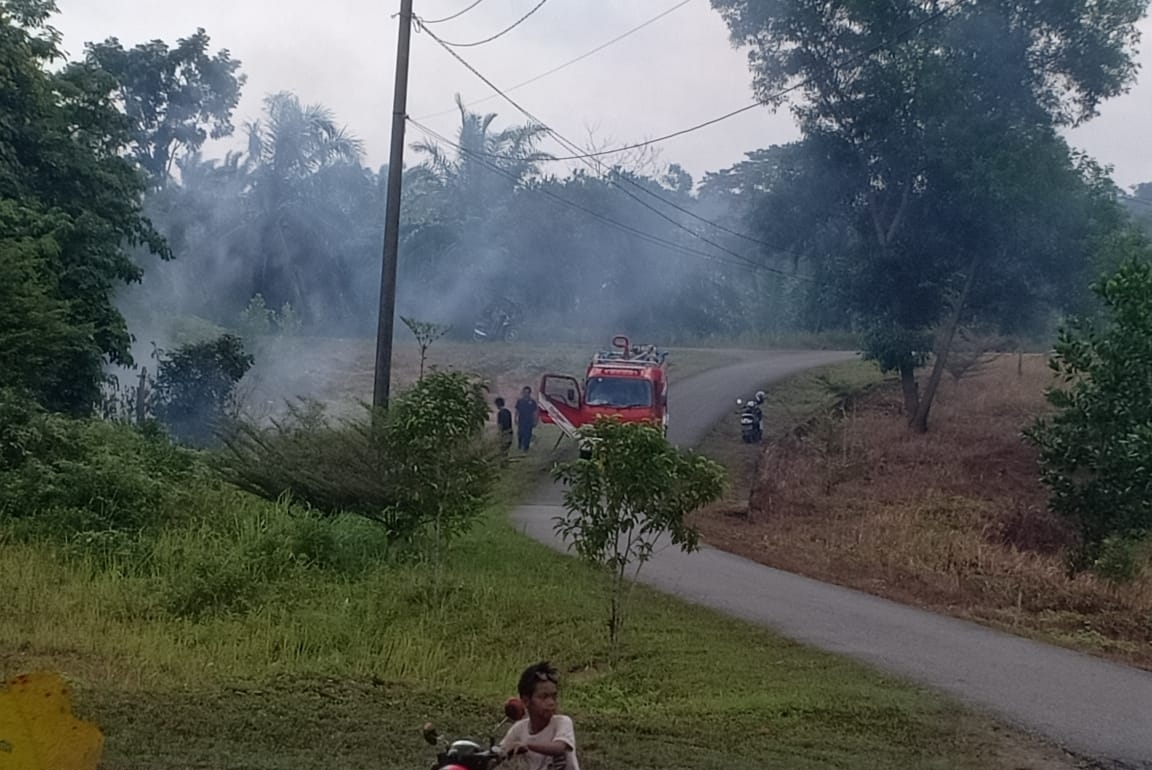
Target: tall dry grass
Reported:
point(954, 520)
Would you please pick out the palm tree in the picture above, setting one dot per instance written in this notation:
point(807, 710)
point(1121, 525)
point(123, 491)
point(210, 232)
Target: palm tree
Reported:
point(305, 205)
point(489, 165)
point(456, 235)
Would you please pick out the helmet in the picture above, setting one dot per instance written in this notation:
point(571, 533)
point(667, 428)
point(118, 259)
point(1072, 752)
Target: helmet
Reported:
point(760, 396)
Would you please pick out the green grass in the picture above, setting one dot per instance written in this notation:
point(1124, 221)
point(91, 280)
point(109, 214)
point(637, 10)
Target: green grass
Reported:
point(211, 647)
point(247, 634)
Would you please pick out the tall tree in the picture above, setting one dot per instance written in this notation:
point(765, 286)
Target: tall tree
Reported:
point(176, 97)
point(72, 201)
point(460, 244)
point(301, 165)
point(917, 99)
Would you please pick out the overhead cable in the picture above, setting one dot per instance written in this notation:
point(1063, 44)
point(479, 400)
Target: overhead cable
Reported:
point(499, 34)
point(566, 64)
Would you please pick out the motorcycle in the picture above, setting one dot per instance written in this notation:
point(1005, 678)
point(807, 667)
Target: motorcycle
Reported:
point(501, 329)
point(467, 754)
point(751, 419)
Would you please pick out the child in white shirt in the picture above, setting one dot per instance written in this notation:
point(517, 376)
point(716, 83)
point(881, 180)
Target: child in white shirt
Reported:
point(546, 739)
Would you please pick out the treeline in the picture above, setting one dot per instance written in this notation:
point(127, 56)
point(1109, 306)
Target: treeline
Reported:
point(931, 189)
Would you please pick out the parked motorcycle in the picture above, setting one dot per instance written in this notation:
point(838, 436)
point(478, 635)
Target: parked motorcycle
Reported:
point(502, 328)
point(752, 418)
point(467, 754)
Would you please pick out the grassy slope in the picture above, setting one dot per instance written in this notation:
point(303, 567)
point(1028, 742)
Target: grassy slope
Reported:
point(789, 403)
point(325, 668)
point(953, 521)
point(301, 666)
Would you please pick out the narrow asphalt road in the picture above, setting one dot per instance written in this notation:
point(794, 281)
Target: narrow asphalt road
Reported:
point(1096, 709)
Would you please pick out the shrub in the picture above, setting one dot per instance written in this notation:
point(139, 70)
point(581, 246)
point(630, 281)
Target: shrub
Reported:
point(420, 469)
point(62, 476)
point(194, 390)
point(1096, 452)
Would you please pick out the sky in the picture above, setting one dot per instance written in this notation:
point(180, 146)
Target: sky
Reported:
point(677, 72)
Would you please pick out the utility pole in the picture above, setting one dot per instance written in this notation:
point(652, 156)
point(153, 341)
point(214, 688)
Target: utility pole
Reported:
point(387, 319)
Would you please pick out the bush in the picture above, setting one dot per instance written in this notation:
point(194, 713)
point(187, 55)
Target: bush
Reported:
point(217, 582)
point(62, 476)
point(1123, 559)
point(1096, 452)
point(421, 469)
point(194, 390)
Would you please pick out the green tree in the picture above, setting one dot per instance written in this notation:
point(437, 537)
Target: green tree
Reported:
point(1139, 206)
point(632, 489)
point(176, 97)
point(1096, 451)
point(304, 219)
point(42, 352)
point(922, 102)
point(68, 189)
point(194, 390)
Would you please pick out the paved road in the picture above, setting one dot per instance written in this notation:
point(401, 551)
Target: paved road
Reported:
point(1097, 709)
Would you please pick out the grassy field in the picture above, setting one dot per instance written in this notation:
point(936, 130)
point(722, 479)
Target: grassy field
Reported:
point(954, 521)
point(248, 634)
point(338, 665)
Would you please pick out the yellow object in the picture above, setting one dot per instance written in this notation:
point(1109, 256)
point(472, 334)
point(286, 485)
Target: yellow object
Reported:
point(38, 730)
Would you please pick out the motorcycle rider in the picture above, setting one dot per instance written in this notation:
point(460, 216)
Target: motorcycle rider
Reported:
point(752, 409)
point(546, 739)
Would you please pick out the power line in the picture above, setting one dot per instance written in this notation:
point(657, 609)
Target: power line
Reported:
point(456, 15)
point(717, 225)
point(499, 34)
point(589, 161)
point(566, 64)
point(481, 158)
point(767, 100)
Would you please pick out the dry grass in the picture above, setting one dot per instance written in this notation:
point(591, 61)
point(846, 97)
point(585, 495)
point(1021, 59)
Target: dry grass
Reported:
point(954, 520)
point(339, 372)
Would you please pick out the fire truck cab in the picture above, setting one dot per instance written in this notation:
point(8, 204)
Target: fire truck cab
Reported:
point(628, 382)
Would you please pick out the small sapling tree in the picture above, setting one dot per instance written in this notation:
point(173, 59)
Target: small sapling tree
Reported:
point(425, 333)
point(630, 489)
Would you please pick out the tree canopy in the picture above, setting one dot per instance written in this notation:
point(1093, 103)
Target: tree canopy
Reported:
point(937, 124)
point(72, 207)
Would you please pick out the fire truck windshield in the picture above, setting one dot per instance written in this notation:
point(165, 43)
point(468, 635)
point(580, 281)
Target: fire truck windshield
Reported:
point(619, 392)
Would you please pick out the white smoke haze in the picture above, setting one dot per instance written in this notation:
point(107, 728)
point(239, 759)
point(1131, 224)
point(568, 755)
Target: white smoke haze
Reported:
point(471, 239)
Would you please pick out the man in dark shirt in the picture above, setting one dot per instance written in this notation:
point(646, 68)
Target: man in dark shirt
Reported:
point(504, 423)
point(527, 412)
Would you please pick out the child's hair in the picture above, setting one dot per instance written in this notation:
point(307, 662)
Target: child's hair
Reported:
point(539, 672)
point(500, 402)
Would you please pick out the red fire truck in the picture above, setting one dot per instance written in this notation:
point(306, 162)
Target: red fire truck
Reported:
point(630, 382)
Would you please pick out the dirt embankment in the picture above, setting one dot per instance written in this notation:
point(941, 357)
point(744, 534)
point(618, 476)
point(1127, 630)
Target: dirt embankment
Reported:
point(954, 521)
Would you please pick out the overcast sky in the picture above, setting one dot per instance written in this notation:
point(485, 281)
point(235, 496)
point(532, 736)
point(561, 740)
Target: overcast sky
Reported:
point(675, 73)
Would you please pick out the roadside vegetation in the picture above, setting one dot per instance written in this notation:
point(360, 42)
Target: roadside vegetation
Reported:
point(957, 520)
point(235, 564)
point(202, 626)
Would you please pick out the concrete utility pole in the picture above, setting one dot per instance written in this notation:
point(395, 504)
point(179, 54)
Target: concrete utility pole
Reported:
point(387, 319)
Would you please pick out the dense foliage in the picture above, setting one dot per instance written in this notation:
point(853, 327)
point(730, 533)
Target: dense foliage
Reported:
point(1095, 450)
point(71, 203)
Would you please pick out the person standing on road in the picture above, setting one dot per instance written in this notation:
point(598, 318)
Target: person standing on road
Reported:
point(527, 413)
point(504, 423)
